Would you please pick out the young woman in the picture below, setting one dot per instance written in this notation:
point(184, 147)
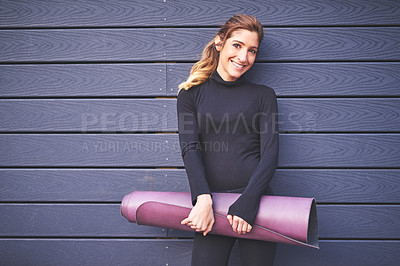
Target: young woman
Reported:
point(228, 136)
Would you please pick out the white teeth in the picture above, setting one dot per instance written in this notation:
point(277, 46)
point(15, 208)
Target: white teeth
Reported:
point(235, 64)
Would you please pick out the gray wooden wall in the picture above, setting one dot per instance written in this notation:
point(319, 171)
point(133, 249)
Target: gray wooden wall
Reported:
point(88, 114)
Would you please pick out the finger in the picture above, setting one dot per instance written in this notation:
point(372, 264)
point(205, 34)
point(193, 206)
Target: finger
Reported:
point(185, 221)
point(203, 227)
point(240, 226)
point(190, 224)
point(195, 228)
point(208, 229)
point(249, 227)
point(230, 219)
point(198, 224)
point(236, 221)
point(244, 228)
point(198, 227)
point(234, 225)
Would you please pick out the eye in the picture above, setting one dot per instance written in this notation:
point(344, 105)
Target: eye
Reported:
point(236, 45)
point(253, 51)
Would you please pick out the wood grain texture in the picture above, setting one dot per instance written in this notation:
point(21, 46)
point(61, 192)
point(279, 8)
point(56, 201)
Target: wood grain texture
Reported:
point(199, 13)
point(359, 221)
point(339, 185)
point(110, 185)
point(82, 45)
point(339, 150)
point(86, 185)
point(312, 79)
point(100, 220)
point(144, 115)
point(157, 150)
point(367, 115)
point(67, 13)
point(72, 220)
point(287, 79)
point(100, 115)
point(89, 252)
point(195, 13)
point(332, 252)
point(82, 80)
point(178, 252)
point(176, 44)
point(90, 149)
point(304, 44)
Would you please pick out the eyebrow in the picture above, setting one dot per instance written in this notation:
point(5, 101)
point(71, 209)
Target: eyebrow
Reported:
point(244, 43)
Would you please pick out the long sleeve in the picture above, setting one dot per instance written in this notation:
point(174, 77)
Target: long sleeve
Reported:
point(246, 206)
point(190, 144)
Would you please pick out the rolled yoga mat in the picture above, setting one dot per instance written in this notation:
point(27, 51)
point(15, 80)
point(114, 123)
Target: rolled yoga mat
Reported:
point(290, 220)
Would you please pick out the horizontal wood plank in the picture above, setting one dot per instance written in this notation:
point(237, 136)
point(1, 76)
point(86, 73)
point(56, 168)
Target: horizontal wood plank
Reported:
point(72, 220)
point(331, 252)
point(82, 45)
point(176, 44)
point(311, 79)
point(82, 80)
point(104, 115)
point(130, 150)
point(178, 252)
point(287, 79)
point(78, 13)
point(88, 252)
point(299, 44)
point(109, 185)
point(339, 185)
point(86, 185)
point(366, 115)
point(67, 13)
point(280, 12)
point(157, 150)
point(99, 220)
point(359, 221)
point(339, 150)
point(138, 115)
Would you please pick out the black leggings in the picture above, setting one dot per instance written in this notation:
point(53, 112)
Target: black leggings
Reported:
point(214, 250)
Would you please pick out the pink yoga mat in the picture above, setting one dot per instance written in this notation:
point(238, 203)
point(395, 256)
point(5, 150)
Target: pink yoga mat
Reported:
point(290, 220)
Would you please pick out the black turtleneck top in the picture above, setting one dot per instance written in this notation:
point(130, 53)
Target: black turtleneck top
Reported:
point(228, 134)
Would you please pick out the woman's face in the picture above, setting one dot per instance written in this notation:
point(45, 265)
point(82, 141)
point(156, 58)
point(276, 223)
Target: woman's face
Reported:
point(237, 54)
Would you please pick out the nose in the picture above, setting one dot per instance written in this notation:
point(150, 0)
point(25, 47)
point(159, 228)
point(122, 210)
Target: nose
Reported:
point(242, 56)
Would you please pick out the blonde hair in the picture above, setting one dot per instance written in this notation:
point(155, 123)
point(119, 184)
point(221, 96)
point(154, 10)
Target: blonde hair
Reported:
point(208, 63)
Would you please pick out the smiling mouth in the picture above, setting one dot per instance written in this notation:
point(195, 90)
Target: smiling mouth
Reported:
point(237, 65)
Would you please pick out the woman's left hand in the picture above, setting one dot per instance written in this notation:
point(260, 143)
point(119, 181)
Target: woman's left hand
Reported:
point(239, 225)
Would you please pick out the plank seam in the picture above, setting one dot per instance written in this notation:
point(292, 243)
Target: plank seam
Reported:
point(119, 202)
point(161, 26)
point(192, 61)
point(182, 167)
point(165, 238)
point(310, 132)
point(169, 97)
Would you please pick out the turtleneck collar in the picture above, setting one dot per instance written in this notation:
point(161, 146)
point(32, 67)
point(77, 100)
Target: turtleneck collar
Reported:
point(217, 78)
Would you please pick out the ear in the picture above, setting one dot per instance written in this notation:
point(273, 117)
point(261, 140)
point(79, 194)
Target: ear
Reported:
point(218, 43)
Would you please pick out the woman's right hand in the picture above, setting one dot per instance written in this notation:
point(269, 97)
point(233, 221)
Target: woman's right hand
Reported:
point(201, 217)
